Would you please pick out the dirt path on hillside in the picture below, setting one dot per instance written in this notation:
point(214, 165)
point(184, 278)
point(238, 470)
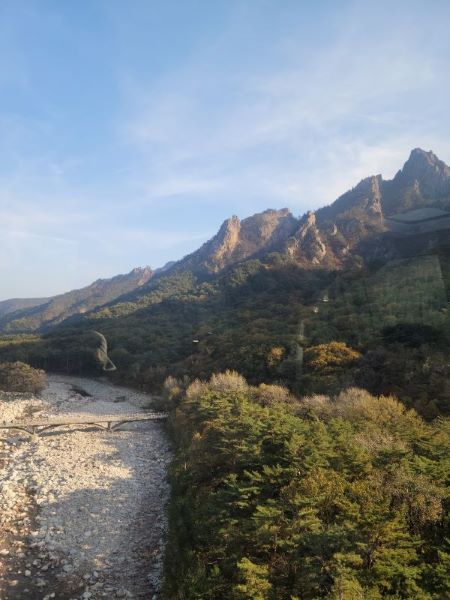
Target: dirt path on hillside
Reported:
point(82, 510)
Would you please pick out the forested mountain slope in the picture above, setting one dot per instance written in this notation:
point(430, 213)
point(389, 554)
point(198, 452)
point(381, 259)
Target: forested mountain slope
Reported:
point(31, 315)
point(14, 304)
point(265, 290)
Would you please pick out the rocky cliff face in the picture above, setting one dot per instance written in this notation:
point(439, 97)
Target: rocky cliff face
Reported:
point(307, 245)
point(340, 234)
point(238, 240)
point(423, 181)
point(326, 237)
point(334, 236)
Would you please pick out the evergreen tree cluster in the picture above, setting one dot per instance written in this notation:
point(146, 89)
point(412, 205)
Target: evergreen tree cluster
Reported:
point(343, 497)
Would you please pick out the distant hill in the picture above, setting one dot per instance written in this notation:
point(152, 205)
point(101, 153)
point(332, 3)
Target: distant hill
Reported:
point(15, 304)
point(21, 316)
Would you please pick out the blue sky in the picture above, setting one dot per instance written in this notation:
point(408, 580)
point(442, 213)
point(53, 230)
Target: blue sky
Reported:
point(130, 130)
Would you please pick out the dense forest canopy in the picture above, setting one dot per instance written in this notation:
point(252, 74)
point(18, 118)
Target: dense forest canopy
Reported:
point(341, 497)
point(267, 318)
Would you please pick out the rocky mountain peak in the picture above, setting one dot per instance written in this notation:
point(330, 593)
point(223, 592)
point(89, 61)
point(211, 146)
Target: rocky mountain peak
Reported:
point(140, 270)
point(142, 274)
point(426, 172)
point(307, 244)
point(328, 236)
point(371, 183)
point(420, 160)
point(267, 227)
point(238, 240)
point(224, 243)
point(362, 202)
point(229, 227)
point(308, 221)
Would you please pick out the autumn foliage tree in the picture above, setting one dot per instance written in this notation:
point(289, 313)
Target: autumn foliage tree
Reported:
point(330, 358)
point(328, 367)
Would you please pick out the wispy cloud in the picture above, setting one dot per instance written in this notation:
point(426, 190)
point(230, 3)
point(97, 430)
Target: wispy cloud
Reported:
point(146, 240)
point(282, 131)
point(132, 142)
point(19, 235)
point(171, 186)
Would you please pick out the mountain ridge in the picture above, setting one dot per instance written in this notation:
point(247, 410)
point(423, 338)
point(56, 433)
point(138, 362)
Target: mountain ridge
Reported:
point(326, 236)
point(40, 313)
point(346, 233)
point(12, 305)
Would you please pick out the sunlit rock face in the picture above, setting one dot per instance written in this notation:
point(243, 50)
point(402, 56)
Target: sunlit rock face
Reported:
point(423, 181)
point(354, 230)
point(238, 240)
point(351, 229)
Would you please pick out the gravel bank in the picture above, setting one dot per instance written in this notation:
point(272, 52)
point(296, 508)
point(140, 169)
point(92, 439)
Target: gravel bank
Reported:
point(82, 510)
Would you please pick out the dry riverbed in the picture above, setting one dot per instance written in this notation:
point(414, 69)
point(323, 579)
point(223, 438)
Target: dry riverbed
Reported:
point(82, 511)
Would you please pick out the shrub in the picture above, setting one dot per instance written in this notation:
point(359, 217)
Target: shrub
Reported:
point(329, 358)
point(20, 377)
point(196, 389)
point(230, 381)
point(275, 356)
point(355, 404)
point(358, 405)
point(317, 404)
point(268, 395)
point(172, 390)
